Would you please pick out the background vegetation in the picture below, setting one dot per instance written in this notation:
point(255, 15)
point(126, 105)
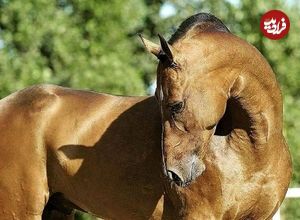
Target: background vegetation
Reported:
point(93, 45)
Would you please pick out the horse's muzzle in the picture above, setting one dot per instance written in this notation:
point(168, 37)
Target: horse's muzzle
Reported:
point(184, 175)
point(176, 179)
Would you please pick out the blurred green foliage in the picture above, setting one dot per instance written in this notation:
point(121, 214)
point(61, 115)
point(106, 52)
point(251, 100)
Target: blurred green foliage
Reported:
point(83, 44)
point(92, 44)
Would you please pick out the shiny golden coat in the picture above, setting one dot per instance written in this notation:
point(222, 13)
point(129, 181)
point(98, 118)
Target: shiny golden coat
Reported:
point(104, 154)
point(101, 151)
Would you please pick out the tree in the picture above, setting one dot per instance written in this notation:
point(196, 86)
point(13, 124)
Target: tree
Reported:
point(82, 44)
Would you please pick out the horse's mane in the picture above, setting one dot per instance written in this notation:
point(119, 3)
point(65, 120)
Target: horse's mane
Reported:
point(204, 22)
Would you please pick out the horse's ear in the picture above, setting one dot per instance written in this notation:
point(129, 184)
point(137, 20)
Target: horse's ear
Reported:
point(150, 46)
point(166, 48)
point(164, 51)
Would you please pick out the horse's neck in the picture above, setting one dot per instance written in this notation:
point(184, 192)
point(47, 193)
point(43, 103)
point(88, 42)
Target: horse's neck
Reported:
point(256, 105)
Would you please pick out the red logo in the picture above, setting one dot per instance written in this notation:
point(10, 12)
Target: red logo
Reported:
point(275, 24)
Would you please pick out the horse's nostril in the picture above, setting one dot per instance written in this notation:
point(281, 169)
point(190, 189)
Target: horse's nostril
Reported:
point(173, 176)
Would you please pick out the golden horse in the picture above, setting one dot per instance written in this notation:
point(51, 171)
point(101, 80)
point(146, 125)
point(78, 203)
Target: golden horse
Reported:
point(222, 154)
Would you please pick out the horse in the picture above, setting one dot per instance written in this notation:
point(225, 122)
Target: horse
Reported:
point(95, 152)
point(102, 154)
point(224, 153)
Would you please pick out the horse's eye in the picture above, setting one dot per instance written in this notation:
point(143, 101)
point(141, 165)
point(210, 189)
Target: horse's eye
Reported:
point(176, 107)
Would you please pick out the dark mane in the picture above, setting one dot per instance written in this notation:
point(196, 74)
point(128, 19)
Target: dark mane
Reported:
point(205, 22)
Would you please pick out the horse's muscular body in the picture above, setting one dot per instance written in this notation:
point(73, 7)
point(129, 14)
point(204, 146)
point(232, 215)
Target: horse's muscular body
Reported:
point(101, 151)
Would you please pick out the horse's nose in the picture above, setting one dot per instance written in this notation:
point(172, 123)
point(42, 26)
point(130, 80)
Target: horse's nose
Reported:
point(184, 174)
point(179, 180)
point(174, 177)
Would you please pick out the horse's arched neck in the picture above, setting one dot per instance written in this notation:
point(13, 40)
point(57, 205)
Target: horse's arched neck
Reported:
point(254, 109)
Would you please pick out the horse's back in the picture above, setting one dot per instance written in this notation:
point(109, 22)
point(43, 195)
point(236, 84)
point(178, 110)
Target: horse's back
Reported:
point(31, 110)
point(32, 118)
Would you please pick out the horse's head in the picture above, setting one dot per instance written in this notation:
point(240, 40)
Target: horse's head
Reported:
point(208, 77)
point(192, 99)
